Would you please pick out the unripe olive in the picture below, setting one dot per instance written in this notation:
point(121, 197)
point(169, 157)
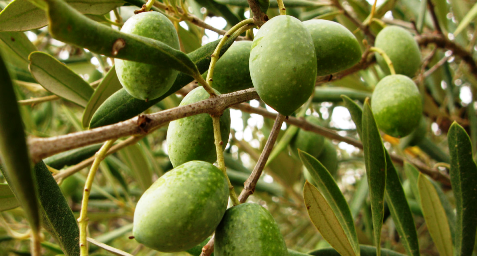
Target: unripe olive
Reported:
point(401, 48)
point(396, 105)
point(307, 141)
point(192, 138)
point(336, 47)
point(182, 208)
point(249, 229)
point(145, 81)
point(283, 64)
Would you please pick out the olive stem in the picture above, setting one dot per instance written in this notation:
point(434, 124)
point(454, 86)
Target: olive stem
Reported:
point(386, 58)
point(83, 219)
point(220, 158)
point(216, 54)
point(251, 182)
point(149, 5)
point(281, 7)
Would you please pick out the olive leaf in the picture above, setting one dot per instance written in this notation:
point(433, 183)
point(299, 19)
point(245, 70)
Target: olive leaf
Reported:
point(273, 4)
point(435, 216)
point(19, 43)
point(326, 221)
point(135, 159)
point(333, 94)
point(463, 176)
point(7, 198)
point(14, 152)
point(108, 86)
point(57, 216)
point(375, 162)
point(71, 157)
point(22, 15)
point(59, 79)
point(70, 26)
point(365, 250)
point(122, 106)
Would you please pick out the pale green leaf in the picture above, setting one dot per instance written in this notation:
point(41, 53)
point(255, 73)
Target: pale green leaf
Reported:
point(435, 216)
point(19, 43)
point(108, 86)
point(324, 219)
point(7, 198)
point(22, 15)
point(469, 17)
point(59, 79)
point(134, 158)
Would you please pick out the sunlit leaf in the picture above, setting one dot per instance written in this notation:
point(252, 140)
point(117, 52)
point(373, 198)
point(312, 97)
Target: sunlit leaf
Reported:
point(469, 17)
point(7, 198)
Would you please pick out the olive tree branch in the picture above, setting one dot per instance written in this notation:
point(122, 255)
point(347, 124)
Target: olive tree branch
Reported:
point(435, 20)
point(362, 27)
point(443, 42)
point(251, 182)
point(307, 126)
point(259, 18)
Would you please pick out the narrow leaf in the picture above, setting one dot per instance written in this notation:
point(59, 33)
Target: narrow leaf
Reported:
point(7, 198)
point(22, 15)
point(359, 197)
point(324, 219)
point(122, 106)
point(336, 201)
point(334, 94)
point(68, 25)
point(137, 162)
point(412, 174)
point(71, 157)
point(273, 4)
point(356, 113)
point(365, 250)
point(58, 218)
point(469, 17)
point(375, 162)
point(14, 152)
point(463, 176)
point(108, 86)
point(19, 43)
point(435, 217)
point(400, 211)
point(59, 79)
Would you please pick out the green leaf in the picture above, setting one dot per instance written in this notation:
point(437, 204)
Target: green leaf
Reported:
point(189, 40)
point(399, 208)
point(108, 86)
point(333, 94)
point(412, 174)
point(463, 176)
point(325, 220)
point(19, 43)
point(137, 162)
point(469, 17)
point(441, 10)
point(220, 9)
point(435, 217)
point(59, 79)
point(359, 197)
point(22, 15)
point(14, 152)
point(7, 198)
point(375, 161)
point(330, 190)
point(71, 157)
point(57, 216)
point(356, 113)
point(70, 26)
point(122, 106)
point(364, 249)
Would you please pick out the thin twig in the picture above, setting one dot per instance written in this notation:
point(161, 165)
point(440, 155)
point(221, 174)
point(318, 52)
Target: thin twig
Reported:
point(307, 126)
point(108, 248)
point(38, 100)
point(436, 66)
point(208, 249)
point(259, 18)
point(251, 182)
point(435, 20)
point(363, 28)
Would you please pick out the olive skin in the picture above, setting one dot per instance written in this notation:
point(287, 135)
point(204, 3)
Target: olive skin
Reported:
point(145, 81)
point(182, 208)
point(397, 106)
point(283, 64)
point(192, 138)
point(248, 229)
point(336, 47)
point(231, 71)
point(401, 48)
point(309, 142)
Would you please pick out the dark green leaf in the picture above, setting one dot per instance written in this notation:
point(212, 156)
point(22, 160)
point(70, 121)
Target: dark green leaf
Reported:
point(122, 106)
point(71, 157)
point(108, 86)
point(435, 217)
point(220, 9)
point(7, 198)
point(356, 113)
point(70, 26)
point(22, 15)
point(14, 152)
point(58, 218)
point(375, 161)
point(463, 176)
point(330, 190)
point(334, 94)
point(59, 79)
point(400, 210)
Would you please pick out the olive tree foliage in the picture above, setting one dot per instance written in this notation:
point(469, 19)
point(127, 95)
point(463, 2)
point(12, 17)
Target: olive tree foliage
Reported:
point(77, 151)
